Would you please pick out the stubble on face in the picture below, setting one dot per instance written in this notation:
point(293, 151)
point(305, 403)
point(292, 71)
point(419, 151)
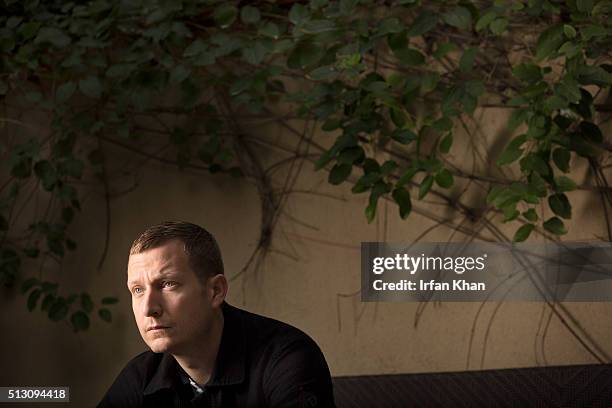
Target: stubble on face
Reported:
point(166, 292)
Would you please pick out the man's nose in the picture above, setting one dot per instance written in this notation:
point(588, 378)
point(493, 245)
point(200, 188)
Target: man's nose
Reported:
point(152, 304)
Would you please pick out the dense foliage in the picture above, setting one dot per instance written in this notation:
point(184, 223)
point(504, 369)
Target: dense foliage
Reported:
point(396, 77)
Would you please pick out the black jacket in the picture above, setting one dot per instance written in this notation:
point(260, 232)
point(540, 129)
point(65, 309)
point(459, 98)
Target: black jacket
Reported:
point(261, 363)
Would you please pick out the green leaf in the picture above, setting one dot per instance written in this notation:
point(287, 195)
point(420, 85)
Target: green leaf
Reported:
point(407, 176)
point(499, 25)
point(350, 155)
point(390, 25)
point(432, 165)
point(370, 212)
point(105, 315)
point(365, 182)
point(29, 284)
point(444, 124)
point(33, 299)
point(347, 7)
point(91, 86)
point(403, 136)
point(443, 49)
point(402, 198)
point(109, 300)
point(569, 89)
point(70, 167)
point(318, 26)
point(80, 321)
point(591, 131)
point(255, 54)
point(86, 302)
point(513, 151)
point(459, 17)
point(585, 6)
point(530, 215)
point(565, 184)
point(409, 56)
point(474, 87)
point(602, 7)
point(424, 22)
point(250, 15)
point(298, 13)
point(225, 14)
point(510, 212)
point(49, 287)
point(48, 300)
point(592, 30)
point(485, 20)
point(304, 54)
point(444, 178)
point(119, 70)
point(195, 48)
point(593, 75)
point(555, 226)
point(425, 186)
point(397, 117)
point(46, 173)
point(529, 73)
point(179, 73)
point(58, 310)
point(64, 92)
point(570, 49)
point(466, 63)
point(495, 192)
point(523, 233)
point(322, 73)
point(446, 143)
point(569, 31)
point(325, 158)
point(339, 173)
point(378, 190)
point(387, 167)
point(331, 124)
point(518, 117)
point(560, 205)
point(52, 35)
point(549, 42)
point(561, 157)
point(533, 162)
point(28, 30)
point(269, 29)
point(13, 22)
point(537, 184)
point(539, 126)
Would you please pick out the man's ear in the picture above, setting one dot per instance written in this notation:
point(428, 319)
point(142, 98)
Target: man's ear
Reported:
point(217, 289)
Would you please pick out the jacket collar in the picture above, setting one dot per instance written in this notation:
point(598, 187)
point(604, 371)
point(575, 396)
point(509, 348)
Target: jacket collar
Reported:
point(229, 365)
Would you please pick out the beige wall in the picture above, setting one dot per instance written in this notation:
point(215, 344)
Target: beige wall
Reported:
point(311, 280)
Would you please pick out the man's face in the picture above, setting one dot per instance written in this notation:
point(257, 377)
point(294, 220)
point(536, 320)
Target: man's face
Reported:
point(173, 309)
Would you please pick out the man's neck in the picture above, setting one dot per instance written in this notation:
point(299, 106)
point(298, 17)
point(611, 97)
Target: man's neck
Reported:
point(199, 361)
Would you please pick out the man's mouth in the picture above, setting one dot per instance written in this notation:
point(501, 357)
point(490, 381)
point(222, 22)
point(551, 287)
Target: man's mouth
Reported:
point(152, 328)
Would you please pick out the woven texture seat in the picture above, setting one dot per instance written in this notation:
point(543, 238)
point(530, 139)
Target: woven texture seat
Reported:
point(562, 386)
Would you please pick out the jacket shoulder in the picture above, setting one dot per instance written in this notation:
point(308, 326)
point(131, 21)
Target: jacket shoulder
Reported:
point(128, 387)
point(264, 326)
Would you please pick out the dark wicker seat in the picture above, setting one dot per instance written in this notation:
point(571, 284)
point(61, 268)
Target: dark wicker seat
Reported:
point(562, 386)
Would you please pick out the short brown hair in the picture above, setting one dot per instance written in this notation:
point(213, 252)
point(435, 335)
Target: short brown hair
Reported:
point(200, 245)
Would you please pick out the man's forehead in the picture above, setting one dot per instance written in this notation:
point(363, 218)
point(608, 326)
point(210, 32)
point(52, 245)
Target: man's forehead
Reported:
point(157, 258)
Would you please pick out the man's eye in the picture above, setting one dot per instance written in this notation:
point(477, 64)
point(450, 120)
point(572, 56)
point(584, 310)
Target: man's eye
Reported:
point(168, 284)
point(137, 290)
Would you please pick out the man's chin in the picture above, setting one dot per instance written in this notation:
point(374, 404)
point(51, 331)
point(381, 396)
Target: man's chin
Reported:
point(161, 345)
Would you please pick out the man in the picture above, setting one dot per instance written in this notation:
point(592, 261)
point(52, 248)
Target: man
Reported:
point(204, 352)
